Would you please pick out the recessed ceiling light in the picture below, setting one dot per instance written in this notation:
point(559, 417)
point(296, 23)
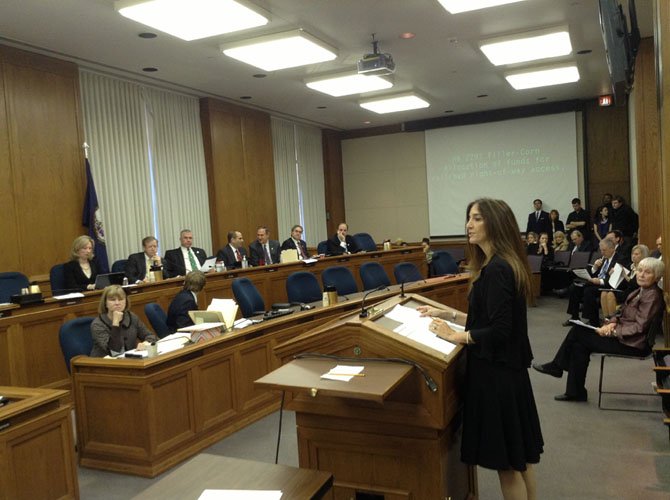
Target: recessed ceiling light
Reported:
point(194, 19)
point(394, 103)
point(321, 107)
point(524, 47)
point(147, 35)
point(280, 50)
point(150, 69)
point(585, 51)
point(482, 95)
point(407, 35)
point(458, 6)
point(259, 75)
point(245, 97)
point(348, 83)
point(543, 77)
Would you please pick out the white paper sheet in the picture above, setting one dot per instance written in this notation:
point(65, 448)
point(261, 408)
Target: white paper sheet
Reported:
point(344, 373)
point(240, 495)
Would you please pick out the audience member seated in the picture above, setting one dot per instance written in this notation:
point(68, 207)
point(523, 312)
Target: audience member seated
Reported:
point(234, 253)
point(602, 224)
point(531, 243)
point(560, 243)
point(116, 329)
point(544, 249)
point(625, 335)
point(425, 245)
point(579, 243)
point(185, 301)
point(621, 247)
point(578, 219)
point(140, 264)
point(609, 300)
point(186, 258)
point(341, 242)
point(538, 220)
point(555, 224)
point(81, 271)
point(658, 253)
point(295, 242)
point(587, 293)
point(263, 251)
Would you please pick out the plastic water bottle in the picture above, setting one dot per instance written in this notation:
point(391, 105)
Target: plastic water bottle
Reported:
point(245, 263)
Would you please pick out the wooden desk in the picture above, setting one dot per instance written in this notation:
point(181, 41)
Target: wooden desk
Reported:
point(225, 473)
point(36, 448)
point(30, 354)
point(144, 416)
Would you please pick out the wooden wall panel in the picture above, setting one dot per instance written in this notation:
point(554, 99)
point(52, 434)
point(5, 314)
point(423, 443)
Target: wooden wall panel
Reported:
point(42, 129)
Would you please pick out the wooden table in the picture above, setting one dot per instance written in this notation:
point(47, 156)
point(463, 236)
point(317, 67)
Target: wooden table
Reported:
point(36, 446)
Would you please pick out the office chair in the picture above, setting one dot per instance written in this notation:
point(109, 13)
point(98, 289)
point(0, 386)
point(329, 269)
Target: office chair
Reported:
point(157, 318)
point(443, 263)
point(11, 283)
point(303, 286)
point(373, 276)
point(364, 242)
point(247, 297)
point(406, 272)
point(322, 248)
point(119, 266)
point(75, 339)
point(57, 279)
point(341, 278)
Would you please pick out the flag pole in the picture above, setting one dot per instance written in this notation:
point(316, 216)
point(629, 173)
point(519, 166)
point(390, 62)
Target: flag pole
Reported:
point(85, 147)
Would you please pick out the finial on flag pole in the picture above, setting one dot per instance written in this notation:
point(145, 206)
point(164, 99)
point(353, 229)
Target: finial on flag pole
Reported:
point(86, 147)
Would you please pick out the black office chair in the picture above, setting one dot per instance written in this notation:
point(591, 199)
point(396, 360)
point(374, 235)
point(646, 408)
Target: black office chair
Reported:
point(406, 272)
point(11, 283)
point(75, 339)
point(443, 263)
point(119, 266)
point(322, 248)
point(57, 279)
point(157, 318)
point(247, 297)
point(365, 242)
point(341, 278)
point(303, 287)
point(373, 276)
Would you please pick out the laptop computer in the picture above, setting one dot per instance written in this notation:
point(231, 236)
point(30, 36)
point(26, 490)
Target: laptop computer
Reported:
point(104, 280)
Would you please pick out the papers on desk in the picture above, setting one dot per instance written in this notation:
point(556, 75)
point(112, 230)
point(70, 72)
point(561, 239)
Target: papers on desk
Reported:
point(172, 342)
point(310, 261)
point(582, 273)
point(344, 373)
point(68, 296)
point(417, 328)
point(201, 327)
point(240, 495)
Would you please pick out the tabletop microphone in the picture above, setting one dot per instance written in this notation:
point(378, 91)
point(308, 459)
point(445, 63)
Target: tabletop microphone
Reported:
point(364, 311)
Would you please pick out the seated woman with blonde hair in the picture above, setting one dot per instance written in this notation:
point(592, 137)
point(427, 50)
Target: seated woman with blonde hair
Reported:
point(561, 243)
point(81, 271)
point(610, 300)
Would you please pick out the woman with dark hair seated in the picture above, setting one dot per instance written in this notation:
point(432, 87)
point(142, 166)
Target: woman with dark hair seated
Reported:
point(623, 335)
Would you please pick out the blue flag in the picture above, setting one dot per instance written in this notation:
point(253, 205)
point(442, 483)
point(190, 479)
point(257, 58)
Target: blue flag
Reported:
point(92, 219)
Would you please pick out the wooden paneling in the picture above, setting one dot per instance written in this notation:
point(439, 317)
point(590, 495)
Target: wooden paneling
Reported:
point(333, 179)
point(40, 160)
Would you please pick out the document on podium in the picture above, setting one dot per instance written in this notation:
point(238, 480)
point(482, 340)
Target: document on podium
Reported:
point(240, 495)
point(415, 327)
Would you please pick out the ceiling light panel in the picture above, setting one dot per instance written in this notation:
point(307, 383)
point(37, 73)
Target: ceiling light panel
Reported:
point(193, 19)
point(393, 104)
point(458, 6)
point(280, 50)
point(527, 47)
point(543, 77)
point(348, 84)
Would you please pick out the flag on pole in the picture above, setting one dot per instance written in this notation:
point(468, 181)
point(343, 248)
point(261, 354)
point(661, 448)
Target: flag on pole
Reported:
point(92, 219)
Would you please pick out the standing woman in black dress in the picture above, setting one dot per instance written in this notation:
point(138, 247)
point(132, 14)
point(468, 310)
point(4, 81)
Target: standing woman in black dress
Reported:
point(501, 427)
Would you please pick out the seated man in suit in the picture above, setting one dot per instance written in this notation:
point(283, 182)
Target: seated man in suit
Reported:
point(186, 258)
point(658, 253)
point(621, 248)
point(560, 280)
point(538, 221)
point(263, 251)
point(589, 293)
point(234, 253)
point(185, 301)
point(140, 264)
point(341, 242)
point(295, 242)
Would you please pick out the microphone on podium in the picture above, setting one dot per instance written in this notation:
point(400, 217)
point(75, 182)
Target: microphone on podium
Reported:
point(364, 311)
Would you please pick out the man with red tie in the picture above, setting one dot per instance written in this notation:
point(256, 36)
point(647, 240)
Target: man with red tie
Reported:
point(234, 252)
point(263, 251)
point(295, 242)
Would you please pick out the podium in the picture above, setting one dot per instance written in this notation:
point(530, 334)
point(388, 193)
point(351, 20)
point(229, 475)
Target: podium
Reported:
point(393, 433)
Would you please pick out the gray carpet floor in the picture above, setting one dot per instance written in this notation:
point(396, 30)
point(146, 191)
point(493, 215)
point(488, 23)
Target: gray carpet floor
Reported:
point(589, 453)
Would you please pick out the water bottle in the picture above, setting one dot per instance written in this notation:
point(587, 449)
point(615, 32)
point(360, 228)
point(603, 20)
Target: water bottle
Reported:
point(125, 281)
point(245, 263)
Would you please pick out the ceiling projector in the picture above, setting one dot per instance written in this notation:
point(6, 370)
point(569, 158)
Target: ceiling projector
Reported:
point(377, 64)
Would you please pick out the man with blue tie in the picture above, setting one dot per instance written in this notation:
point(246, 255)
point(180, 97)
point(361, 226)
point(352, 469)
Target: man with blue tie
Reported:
point(587, 293)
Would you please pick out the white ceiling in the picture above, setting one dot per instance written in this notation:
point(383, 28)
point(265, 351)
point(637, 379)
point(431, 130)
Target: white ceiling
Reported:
point(442, 62)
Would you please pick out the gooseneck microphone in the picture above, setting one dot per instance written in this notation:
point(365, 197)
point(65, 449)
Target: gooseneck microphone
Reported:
point(364, 311)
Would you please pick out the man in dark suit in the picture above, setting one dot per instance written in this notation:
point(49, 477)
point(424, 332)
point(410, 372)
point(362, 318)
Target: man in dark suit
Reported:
point(295, 242)
point(263, 251)
point(185, 301)
point(140, 264)
point(588, 293)
point(620, 247)
point(233, 254)
point(625, 220)
point(341, 242)
point(538, 221)
point(578, 243)
point(186, 258)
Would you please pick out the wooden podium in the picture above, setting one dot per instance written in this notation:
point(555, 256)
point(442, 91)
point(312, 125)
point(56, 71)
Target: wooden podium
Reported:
point(387, 433)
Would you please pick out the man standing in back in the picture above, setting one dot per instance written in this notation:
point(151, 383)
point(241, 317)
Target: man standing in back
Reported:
point(538, 221)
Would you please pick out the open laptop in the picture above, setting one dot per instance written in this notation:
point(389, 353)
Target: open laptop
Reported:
point(104, 280)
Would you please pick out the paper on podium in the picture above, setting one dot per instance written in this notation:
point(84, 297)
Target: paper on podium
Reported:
point(344, 373)
point(417, 328)
point(227, 308)
point(240, 495)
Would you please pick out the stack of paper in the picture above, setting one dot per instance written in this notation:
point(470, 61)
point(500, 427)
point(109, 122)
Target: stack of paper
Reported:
point(417, 328)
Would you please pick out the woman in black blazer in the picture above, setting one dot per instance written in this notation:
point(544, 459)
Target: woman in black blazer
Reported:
point(81, 271)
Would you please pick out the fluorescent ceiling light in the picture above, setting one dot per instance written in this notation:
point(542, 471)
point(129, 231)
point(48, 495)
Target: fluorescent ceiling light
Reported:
point(458, 6)
point(281, 50)
point(347, 84)
point(392, 104)
point(192, 19)
point(543, 77)
point(527, 47)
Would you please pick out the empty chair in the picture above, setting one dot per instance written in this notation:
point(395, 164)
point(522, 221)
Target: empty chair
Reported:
point(406, 272)
point(303, 286)
point(119, 266)
point(11, 284)
point(341, 278)
point(157, 318)
point(373, 275)
point(562, 257)
point(57, 279)
point(322, 248)
point(364, 242)
point(443, 263)
point(75, 339)
point(457, 253)
point(247, 297)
